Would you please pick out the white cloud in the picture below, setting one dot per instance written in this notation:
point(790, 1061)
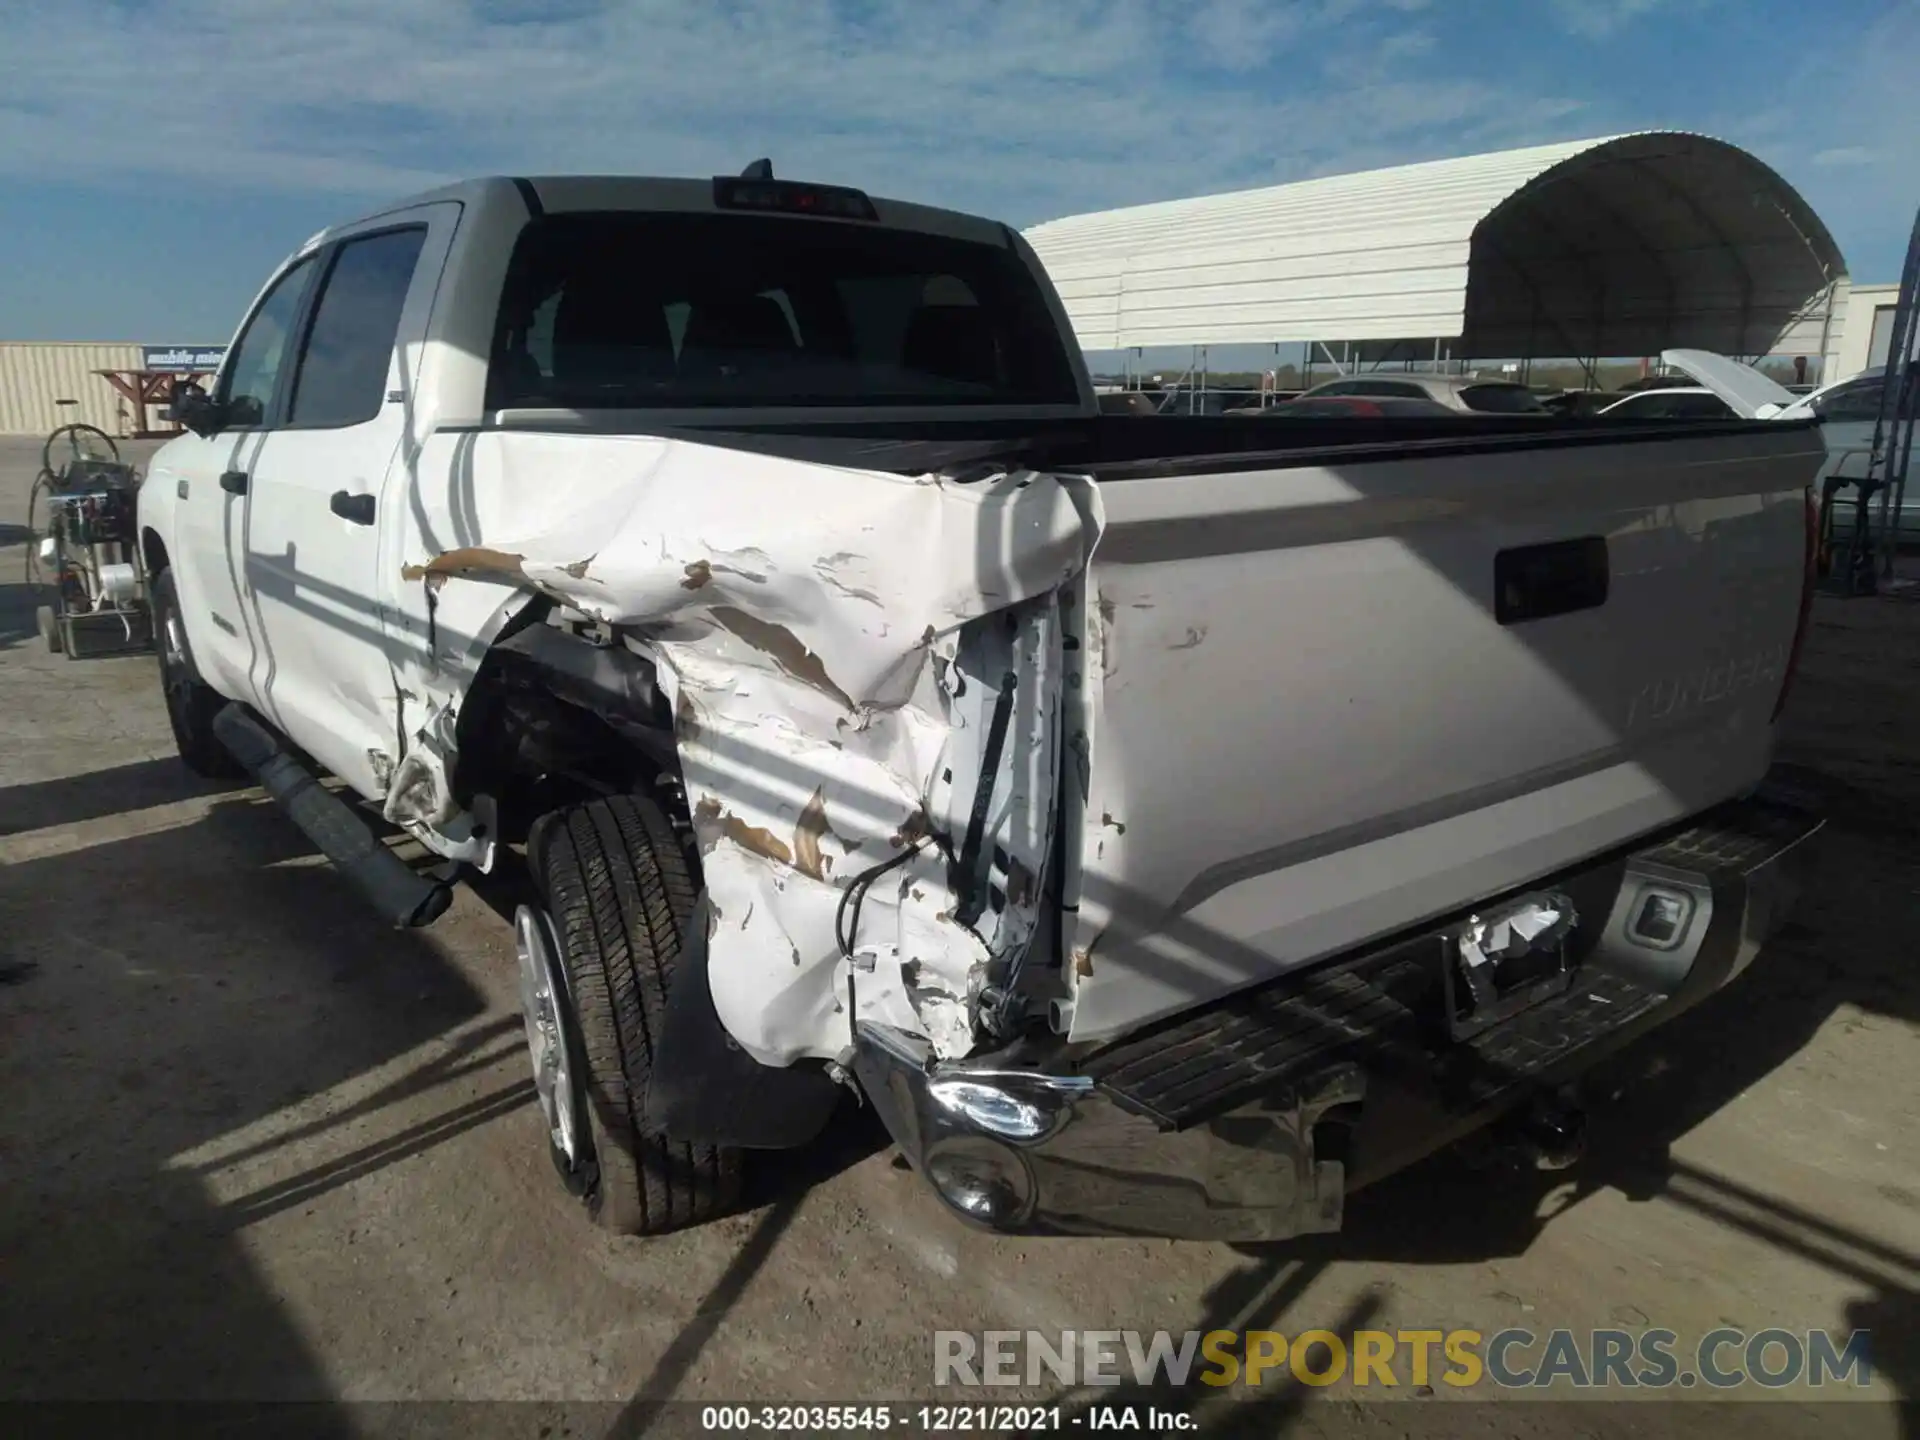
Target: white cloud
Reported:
point(1838, 124)
point(1245, 34)
point(1023, 108)
point(1845, 155)
point(1602, 19)
point(1028, 110)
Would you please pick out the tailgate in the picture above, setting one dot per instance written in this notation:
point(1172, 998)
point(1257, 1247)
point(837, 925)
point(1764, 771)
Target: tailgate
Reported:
point(1330, 701)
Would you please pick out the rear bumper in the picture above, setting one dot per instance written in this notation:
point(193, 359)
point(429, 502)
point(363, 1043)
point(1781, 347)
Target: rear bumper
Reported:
point(1252, 1118)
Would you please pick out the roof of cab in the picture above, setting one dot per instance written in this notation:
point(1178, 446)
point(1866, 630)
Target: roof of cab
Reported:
point(561, 193)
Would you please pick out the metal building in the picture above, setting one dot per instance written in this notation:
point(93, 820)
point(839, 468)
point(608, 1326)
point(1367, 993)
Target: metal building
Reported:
point(1862, 330)
point(35, 377)
point(1611, 247)
point(118, 388)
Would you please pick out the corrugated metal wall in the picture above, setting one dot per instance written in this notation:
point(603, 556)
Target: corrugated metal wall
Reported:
point(33, 376)
point(1852, 349)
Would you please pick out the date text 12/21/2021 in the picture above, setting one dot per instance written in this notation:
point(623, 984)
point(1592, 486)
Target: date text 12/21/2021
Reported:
point(908, 1418)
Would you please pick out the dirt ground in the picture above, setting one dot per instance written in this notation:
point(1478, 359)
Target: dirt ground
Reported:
point(255, 1146)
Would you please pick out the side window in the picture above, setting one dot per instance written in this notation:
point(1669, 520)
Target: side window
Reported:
point(342, 379)
point(253, 370)
point(1398, 389)
point(1501, 400)
point(1856, 400)
point(1701, 407)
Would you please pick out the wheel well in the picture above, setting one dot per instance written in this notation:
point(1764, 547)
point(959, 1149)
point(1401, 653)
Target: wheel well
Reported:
point(153, 552)
point(553, 719)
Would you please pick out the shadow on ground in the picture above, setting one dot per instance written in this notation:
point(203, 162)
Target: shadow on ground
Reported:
point(74, 799)
point(19, 613)
point(179, 991)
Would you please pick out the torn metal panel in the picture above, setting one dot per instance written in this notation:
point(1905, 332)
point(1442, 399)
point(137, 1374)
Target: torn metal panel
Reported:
point(812, 628)
point(420, 797)
point(1006, 775)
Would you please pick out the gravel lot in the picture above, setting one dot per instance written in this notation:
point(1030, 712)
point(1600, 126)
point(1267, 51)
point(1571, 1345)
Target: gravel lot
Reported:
point(255, 1146)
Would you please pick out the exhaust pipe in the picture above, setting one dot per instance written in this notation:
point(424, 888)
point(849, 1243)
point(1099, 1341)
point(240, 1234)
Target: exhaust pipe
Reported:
point(405, 898)
point(1551, 1129)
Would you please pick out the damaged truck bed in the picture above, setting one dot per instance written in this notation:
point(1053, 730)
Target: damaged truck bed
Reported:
point(1165, 824)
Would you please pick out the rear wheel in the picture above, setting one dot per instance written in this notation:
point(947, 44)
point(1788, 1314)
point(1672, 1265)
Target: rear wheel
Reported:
point(596, 968)
point(191, 702)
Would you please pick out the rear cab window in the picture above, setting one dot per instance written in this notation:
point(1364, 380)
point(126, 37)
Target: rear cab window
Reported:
point(646, 310)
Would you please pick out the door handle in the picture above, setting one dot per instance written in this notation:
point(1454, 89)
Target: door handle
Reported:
point(180, 489)
point(357, 508)
point(234, 482)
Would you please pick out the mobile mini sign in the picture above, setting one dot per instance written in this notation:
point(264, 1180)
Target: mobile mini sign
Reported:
point(182, 359)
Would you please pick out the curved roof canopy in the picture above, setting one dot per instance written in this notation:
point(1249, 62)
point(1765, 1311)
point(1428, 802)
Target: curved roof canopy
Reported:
point(1620, 246)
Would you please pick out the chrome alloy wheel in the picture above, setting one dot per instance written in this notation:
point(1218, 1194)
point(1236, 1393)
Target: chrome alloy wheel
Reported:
point(176, 680)
point(551, 1042)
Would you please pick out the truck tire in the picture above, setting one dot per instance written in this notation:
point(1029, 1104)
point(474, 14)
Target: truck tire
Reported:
point(49, 625)
point(191, 702)
point(620, 894)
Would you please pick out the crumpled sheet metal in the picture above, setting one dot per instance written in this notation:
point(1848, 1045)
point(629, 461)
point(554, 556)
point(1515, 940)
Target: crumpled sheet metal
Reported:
point(1515, 930)
point(795, 612)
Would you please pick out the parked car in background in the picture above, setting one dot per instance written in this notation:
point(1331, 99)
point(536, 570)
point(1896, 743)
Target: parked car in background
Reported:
point(1691, 402)
point(1848, 410)
point(1680, 381)
point(1453, 392)
point(1346, 407)
point(1577, 404)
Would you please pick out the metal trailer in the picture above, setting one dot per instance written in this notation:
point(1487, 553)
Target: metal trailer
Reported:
point(89, 553)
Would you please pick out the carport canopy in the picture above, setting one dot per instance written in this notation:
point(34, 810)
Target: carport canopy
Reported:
point(1621, 246)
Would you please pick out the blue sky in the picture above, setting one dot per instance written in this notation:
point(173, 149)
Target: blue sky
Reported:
point(158, 157)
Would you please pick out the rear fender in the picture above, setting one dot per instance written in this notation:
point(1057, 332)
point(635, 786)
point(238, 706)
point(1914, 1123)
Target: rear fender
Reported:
point(823, 637)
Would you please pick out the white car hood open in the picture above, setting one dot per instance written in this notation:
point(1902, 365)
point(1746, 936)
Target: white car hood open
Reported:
point(1752, 395)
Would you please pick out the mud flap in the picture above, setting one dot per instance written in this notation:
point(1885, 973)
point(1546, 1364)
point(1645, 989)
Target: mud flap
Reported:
point(706, 1090)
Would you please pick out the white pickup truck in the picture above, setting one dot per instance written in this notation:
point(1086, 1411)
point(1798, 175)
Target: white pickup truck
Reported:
point(1168, 824)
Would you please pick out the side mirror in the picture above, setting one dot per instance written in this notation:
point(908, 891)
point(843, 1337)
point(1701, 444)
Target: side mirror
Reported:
point(189, 405)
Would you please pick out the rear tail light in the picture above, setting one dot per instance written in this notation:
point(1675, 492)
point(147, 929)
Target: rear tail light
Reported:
point(1808, 577)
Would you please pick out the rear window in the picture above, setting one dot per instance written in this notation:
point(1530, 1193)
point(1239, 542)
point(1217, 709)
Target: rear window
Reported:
point(1502, 400)
point(615, 311)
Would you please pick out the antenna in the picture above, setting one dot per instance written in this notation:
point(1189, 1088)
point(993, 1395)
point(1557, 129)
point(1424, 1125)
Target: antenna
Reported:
point(759, 170)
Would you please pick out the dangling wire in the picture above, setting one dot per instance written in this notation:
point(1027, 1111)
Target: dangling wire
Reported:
point(855, 895)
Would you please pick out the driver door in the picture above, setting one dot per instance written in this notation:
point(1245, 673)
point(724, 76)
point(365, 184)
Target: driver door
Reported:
point(209, 477)
point(312, 559)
